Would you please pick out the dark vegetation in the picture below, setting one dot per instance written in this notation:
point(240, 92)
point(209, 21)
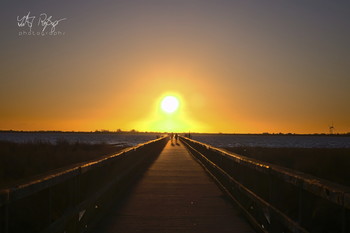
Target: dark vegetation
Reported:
point(21, 162)
point(327, 163)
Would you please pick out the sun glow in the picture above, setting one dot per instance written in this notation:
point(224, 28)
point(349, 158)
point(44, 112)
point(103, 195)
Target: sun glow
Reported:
point(170, 104)
point(169, 113)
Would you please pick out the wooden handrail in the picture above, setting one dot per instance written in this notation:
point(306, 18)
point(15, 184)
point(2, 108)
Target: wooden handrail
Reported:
point(213, 160)
point(338, 194)
point(26, 189)
point(82, 187)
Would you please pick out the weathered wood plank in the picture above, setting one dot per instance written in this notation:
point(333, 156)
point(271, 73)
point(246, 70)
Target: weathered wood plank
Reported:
point(175, 195)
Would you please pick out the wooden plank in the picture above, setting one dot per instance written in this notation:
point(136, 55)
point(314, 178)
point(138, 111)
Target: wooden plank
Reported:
point(175, 195)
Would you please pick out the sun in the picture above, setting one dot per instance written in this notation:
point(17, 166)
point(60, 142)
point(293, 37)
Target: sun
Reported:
point(170, 104)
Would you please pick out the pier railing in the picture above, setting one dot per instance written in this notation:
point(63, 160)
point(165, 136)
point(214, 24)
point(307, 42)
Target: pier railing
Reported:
point(72, 200)
point(276, 199)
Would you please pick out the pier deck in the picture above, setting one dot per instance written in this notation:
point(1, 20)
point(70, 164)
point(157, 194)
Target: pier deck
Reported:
point(174, 195)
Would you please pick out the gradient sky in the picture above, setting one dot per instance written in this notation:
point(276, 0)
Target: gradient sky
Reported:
point(246, 66)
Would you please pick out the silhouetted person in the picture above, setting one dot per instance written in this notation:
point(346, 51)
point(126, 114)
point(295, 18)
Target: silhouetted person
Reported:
point(176, 137)
point(172, 138)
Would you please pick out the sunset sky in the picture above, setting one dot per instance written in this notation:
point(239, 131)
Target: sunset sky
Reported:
point(246, 66)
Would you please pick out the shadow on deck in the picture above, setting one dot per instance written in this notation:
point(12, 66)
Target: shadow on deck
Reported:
point(174, 195)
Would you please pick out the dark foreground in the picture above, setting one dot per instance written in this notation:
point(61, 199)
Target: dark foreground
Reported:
point(327, 163)
point(21, 162)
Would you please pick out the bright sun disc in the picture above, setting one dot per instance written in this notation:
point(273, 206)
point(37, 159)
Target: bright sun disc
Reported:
point(170, 104)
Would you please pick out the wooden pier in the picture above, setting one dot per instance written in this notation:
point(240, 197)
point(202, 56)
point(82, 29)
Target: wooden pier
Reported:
point(164, 186)
point(175, 195)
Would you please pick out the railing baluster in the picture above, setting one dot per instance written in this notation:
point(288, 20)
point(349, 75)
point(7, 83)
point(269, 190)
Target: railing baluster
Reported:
point(50, 206)
point(300, 203)
point(344, 222)
point(7, 217)
point(271, 199)
point(6, 209)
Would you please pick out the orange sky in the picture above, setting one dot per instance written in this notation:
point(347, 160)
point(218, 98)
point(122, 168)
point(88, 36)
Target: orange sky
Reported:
point(237, 67)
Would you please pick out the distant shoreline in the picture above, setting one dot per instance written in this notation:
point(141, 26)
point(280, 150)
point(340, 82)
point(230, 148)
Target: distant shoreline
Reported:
point(80, 132)
point(276, 134)
point(194, 133)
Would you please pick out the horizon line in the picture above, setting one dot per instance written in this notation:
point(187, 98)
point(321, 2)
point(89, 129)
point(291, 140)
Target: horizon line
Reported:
point(164, 132)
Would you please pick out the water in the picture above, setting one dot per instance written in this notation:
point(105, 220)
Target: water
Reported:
point(217, 140)
point(277, 141)
point(94, 138)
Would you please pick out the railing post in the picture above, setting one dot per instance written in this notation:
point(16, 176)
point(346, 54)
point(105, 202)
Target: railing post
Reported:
point(50, 205)
point(77, 198)
point(73, 225)
point(7, 212)
point(7, 218)
point(344, 216)
point(272, 202)
point(300, 203)
point(271, 193)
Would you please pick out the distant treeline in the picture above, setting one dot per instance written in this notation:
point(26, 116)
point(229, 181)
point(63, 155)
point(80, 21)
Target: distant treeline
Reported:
point(133, 131)
point(277, 134)
point(118, 131)
point(21, 162)
point(327, 163)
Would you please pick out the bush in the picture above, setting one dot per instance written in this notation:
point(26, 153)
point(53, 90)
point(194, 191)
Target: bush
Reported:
point(327, 163)
point(20, 162)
